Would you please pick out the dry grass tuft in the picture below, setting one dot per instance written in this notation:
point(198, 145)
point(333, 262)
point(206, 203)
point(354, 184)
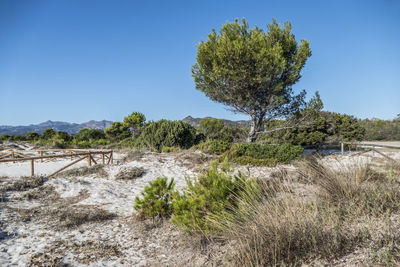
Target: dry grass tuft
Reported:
point(97, 170)
point(23, 184)
point(281, 227)
point(86, 252)
point(43, 192)
point(284, 229)
point(133, 155)
point(130, 173)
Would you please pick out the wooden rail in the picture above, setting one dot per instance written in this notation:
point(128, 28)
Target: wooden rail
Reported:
point(370, 147)
point(85, 154)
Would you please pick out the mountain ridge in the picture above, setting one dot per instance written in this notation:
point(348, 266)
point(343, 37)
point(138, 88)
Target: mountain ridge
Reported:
point(71, 128)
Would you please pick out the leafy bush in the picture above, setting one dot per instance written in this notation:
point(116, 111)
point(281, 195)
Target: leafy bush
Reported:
point(156, 135)
point(118, 131)
point(269, 153)
point(211, 193)
point(246, 160)
point(90, 134)
point(48, 133)
point(168, 149)
point(381, 129)
point(32, 136)
point(215, 146)
point(156, 199)
point(215, 129)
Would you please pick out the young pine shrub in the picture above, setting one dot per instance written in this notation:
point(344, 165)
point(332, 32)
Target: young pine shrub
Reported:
point(212, 193)
point(156, 201)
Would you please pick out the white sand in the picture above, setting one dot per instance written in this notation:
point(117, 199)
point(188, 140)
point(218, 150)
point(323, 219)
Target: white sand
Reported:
point(20, 241)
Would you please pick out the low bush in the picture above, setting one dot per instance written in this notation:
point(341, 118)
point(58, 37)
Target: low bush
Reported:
point(262, 154)
point(217, 147)
point(156, 201)
point(246, 160)
point(212, 193)
point(156, 135)
point(168, 149)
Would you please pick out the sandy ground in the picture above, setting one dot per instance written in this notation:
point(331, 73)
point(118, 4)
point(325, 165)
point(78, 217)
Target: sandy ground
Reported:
point(30, 231)
point(35, 226)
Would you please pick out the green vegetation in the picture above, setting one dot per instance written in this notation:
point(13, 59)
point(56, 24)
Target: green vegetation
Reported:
point(252, 70)
point(135, 121)
point(384, 130)
point(156, 135)
point(156, 199)
point(326, 127)
point(212, 193)
point(274, 222)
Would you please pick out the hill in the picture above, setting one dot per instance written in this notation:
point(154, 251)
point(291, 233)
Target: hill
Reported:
point(71, 128)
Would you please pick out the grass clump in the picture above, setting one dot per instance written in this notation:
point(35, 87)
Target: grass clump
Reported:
point(156, 201)
point(133, 155)
point(74, 216)
point(24, 184)
point(356, 189)
point(97, 170)
point(130, 173)
point(284, 232)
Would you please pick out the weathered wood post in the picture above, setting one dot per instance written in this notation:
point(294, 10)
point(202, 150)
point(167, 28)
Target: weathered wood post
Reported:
point(32, 167)
point(111, 157)
point(89, 159)
point(13, 156)
point(102, 158)
point(71, 154)
point(41, 154)
point(342, 147)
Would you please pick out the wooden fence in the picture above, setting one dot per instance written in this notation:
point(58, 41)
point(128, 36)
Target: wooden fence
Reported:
point(368, 147)
point(20, 155)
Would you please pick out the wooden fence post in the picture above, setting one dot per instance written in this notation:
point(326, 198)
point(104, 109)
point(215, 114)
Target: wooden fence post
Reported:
point(111, 157)
point(342, 147)
point(41, 154)
point(32, 167)
point(89, 159)
point(102, 158)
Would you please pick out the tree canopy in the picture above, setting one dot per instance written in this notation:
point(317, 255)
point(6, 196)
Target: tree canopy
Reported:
point(252, 70)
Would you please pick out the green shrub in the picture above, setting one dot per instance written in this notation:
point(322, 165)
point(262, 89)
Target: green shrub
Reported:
point(48, 133)
point(118, 131)
point(156, 199)
point(246, 160)
point(156, 135)
point(90, 134)
point(212, 193)
point(102, 142)
point(215, 146)
point(168, 149)
point(83, 144)
point(280, 153)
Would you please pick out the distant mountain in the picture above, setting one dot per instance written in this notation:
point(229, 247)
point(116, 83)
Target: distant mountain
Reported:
point(71, 128)
point(195, 122)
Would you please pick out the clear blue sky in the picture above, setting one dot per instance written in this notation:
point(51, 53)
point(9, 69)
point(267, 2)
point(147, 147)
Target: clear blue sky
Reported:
point(78, 60)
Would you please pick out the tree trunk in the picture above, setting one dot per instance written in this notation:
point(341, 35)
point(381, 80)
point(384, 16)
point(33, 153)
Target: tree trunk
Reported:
point(255, 128)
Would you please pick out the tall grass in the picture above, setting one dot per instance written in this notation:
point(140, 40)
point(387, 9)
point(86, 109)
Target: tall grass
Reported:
point(281, 227)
